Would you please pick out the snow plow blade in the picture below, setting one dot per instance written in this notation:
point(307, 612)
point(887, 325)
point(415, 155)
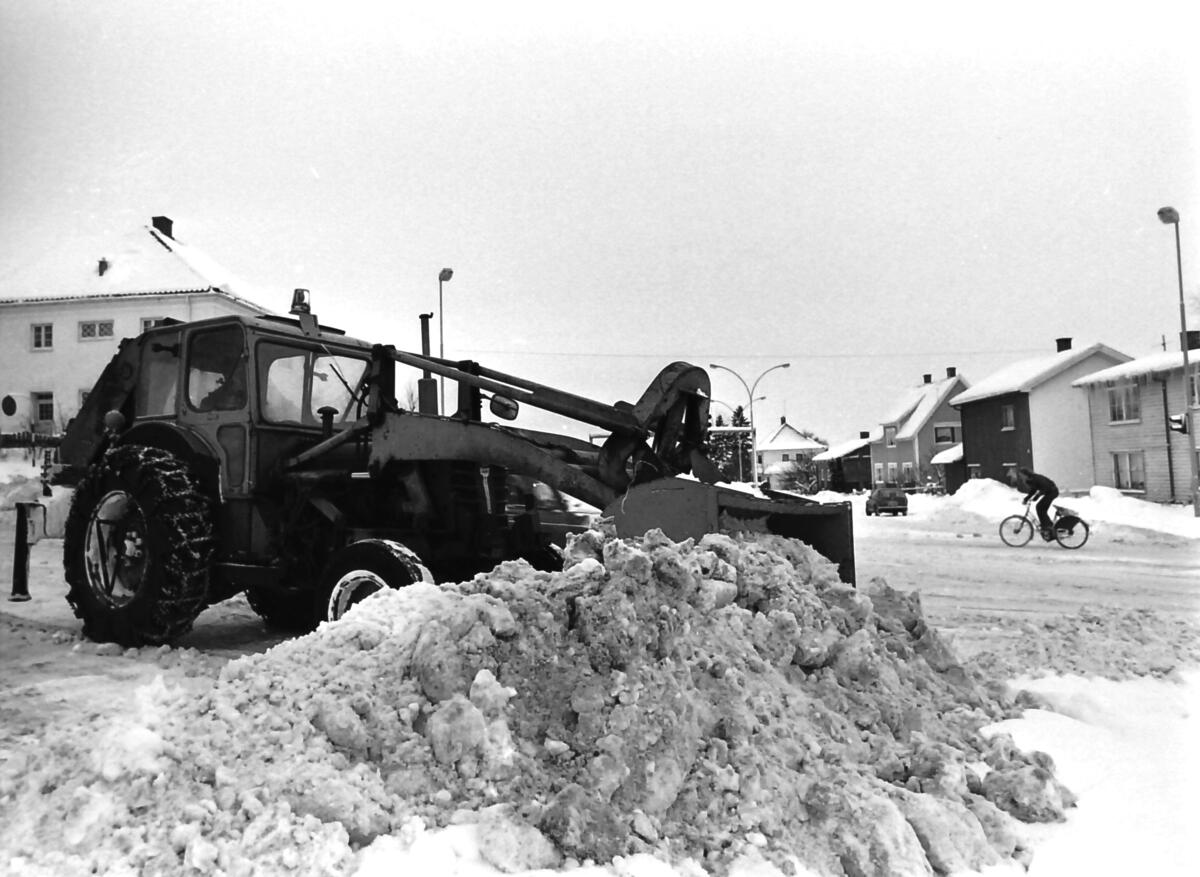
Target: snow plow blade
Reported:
point(684, 509)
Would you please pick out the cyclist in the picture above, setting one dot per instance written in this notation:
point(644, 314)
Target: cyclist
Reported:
point(1045, 491)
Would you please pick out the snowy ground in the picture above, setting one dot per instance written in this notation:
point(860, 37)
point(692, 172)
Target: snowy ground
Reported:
point(161, 761)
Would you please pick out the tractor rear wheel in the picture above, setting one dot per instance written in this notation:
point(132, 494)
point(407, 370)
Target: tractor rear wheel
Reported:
point(137, 548)
point(362, 568)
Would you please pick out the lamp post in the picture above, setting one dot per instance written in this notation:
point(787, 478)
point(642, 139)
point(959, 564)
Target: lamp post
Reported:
point(750, 388)
point(443, 277)
point(1170, 216)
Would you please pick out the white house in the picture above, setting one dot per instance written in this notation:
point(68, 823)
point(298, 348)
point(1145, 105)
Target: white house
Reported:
point(60, 324)
point(778, 454)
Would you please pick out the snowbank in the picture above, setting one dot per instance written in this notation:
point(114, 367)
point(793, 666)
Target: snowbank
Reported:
point(719, 707)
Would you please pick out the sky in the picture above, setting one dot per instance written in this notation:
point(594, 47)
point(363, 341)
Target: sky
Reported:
point(868, 196)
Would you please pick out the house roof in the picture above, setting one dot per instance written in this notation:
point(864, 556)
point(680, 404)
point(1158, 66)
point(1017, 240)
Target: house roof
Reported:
point(788, 438)
point(1155, 364)
point(916, 405)
point(139, 263)
point(1027, 374)
point(841, 449)
point(950, 455)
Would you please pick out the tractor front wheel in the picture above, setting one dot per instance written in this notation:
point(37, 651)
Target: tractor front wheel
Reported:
point(362, 568)
point(137, 548)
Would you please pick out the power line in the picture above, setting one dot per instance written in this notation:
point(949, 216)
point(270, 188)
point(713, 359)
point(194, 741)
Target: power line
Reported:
point(577, 354)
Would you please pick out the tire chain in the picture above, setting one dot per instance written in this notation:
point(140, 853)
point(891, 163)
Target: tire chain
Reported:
point(178, 504)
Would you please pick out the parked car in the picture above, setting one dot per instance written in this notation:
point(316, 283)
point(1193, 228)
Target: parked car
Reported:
point(888, 498)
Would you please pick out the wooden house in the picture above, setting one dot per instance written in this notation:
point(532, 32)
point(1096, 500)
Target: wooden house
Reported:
point(921, 423)
point(1133, 447)
point(1028, 414)
point(846, 466)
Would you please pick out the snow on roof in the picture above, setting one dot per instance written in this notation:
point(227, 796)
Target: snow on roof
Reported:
point(930, 398)
point(1025, 375)
point(950, 455)
point(143, 262)
point(788, 438)
point(841, 449)
point(1156, 363)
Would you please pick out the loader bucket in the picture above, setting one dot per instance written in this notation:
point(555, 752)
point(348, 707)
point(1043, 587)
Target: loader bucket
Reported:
point(683, 508)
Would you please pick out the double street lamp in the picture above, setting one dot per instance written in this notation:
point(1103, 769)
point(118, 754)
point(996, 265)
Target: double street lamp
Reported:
point(750, 388)
point(1170, 216)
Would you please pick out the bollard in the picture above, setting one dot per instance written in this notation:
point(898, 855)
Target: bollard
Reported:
point(20, 576)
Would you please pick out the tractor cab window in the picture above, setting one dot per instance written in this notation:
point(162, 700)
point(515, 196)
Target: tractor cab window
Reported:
point(155, 395)
point(297, 383)
point(217, 369)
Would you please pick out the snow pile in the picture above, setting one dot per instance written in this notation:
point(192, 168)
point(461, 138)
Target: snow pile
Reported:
point(716, 703)
point(1108, 642)
point(20, 478)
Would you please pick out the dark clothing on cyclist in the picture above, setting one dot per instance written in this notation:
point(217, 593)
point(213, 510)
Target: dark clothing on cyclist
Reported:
point(1045, 491)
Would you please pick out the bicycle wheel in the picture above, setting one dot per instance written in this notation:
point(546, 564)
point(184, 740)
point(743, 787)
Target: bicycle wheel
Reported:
point(1070, 531)
point(1015, 530)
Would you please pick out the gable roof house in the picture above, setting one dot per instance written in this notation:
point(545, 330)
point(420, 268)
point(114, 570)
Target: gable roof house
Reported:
point(61, 320)
point(846, 466)
point(920, 423)
point(1133, 448)
point(778, 455)
point(1028, 414)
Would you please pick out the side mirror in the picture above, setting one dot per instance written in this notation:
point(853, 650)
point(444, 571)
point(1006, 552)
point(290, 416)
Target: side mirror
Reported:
point(504, 407)
point(8, 405)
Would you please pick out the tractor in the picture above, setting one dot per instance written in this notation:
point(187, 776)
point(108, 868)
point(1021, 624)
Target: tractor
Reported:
point(270, 455)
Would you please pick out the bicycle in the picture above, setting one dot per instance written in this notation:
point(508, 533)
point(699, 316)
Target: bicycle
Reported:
point(1070, 530)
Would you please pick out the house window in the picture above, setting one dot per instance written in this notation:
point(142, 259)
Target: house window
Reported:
point(787, 457)
point(151, 322)
point(1008, 417)
point(1124, 403)
point(90, 330)
point(1129, 470)
point(889, 433)
point(945, 435)
point(908, 473)
point(878, 473)
point(891, 473)
point(43, 407)
point(43, 336)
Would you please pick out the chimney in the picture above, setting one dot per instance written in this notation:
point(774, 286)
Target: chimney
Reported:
point(1063, 344)
point(928, 378)
point(1192, 339)
point(102, 267)
point(783, 420)
point(163, 225)
point(951, 371)
point(864, 434)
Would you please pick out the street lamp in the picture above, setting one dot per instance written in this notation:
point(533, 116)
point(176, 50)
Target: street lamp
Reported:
point(1170, 216)
point(443, 277)
point(750, 388)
